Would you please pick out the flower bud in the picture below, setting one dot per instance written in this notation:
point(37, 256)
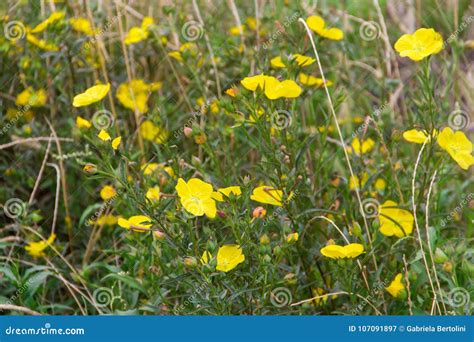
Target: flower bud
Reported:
point(259, 212)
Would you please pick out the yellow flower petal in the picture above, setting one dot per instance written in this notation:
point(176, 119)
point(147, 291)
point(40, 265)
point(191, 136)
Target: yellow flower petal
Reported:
point(116, 142)
point(229, 257)
point(103, 135)
point(91, 95)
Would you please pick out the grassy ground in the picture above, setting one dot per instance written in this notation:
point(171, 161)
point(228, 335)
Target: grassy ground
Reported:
point(68, 239)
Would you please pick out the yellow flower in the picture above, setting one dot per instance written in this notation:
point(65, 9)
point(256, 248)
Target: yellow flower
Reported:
point(107, 192)
point(196, 197)
point(380, 184)
point(317, 24)
point(354, 182)
point(458, 146)
point(116, 142)
point(418, 137)
point(228, 257)
point(206, 257)
point(235, 30)
point(176, 55)
point(140, 223)
point(82, 25)
point(91, 95)
point(359, 149)
point(138, 34)
point(41, 43)
point(36, 249)
point(153, 194)
point(267, 194)
point(310, 81)
point(107, 220)
point(83, 123)
point(54, 17)
point(134, 94)
point(293, 237)
point(273, 88)
point(352, 250)
point(396, 287)
point(235, 190)
point(149, 131)
point(395, 221)
point(301, 61)
point(103, 135)
point(423, 43)
point(231, 92)
point(30, 97)
point(149, 168)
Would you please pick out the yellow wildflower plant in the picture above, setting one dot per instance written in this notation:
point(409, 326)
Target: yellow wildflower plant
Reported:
point(229, 257)
point(103, 135)
point(293, 237)
point(420, 44)
point(311, 81)
point(150, 131)
point(82, 25)
point(380, 184)
point(458, 146)
point(36, 249)
point(91, 95)
point(356, 182)
point(396, 287)
point(54, 17)
point(318, 25)
point(235, 30)
point(107, 192)
point(138, 34)
point(272, 87)
point(153, 194)
point(300, 60)
point(31, 97)
point(220, 193)
point(196, 197)
point(361, 148)
point(418, 136)
point(82, 123)
point(41, 43)
point(206, 258)
point(268, 195)
point(395, 221)
point(352, 250)
point(134, 94)
point(116, 143)
point(139, 223)
point(107, 220)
